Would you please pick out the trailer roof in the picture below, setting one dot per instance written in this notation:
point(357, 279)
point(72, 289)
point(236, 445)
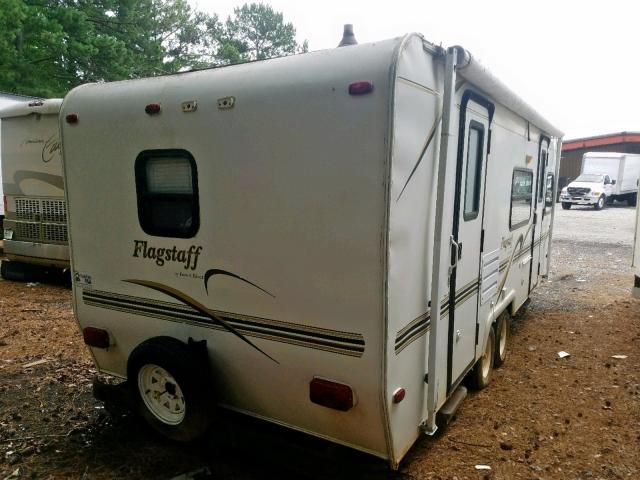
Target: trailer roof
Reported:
point(17, 96)
point(472, 70)
point(43, 107)
point(380, 52)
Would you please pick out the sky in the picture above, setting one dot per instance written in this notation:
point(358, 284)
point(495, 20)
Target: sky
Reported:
point(574, 62)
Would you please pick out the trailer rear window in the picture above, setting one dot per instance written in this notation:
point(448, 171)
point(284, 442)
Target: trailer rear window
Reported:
point(521, 196)
point(167, 188)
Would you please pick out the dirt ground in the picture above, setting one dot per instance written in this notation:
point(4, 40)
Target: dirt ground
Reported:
point(542, 417)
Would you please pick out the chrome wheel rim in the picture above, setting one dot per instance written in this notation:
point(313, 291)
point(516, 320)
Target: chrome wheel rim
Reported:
point(161, 394)
point(601, 202)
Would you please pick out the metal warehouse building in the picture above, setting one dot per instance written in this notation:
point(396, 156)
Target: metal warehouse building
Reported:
point(572, 151)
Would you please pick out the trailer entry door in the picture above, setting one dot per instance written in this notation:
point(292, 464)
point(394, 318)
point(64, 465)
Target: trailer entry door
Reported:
point(537, 235)
point(471, 168)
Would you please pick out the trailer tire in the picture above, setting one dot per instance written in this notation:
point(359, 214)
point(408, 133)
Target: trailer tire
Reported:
point(600, 204)
point(20, 272)
point(183, 410)
point(566, 205)
point(480, 375)
point(501, 326)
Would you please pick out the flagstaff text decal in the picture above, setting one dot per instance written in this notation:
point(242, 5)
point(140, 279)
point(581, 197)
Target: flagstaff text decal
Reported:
point(187, 257)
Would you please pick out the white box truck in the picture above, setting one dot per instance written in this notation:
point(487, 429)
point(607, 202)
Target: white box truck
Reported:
point(605, 177)
point(330, 241)
point(35, 228)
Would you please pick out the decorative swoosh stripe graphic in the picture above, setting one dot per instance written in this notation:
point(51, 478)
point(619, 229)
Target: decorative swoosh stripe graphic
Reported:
point(183, 297)
point(217, 271)
point(524, 251)
point(334, 341)
point(420, 325)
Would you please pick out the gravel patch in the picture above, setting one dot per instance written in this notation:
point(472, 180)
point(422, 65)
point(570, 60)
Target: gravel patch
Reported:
point(612, 225)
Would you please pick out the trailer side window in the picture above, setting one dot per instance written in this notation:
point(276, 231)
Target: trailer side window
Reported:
point(167, 188)
point(473, 177)
point(521, 196)
point(548, 196)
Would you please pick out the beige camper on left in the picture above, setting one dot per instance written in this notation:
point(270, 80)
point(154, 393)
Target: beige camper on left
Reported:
point(35, 225)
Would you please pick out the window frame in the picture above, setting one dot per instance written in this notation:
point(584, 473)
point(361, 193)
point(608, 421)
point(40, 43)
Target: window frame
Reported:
point(143, 195)
point(473, 214)
point(533, 199)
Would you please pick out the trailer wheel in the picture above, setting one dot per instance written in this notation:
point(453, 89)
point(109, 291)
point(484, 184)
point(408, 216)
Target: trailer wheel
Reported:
point(20, 272)
point(480, 375)
point(173, 397)
point(502, 339)
point(566, 205)
point(600, 204)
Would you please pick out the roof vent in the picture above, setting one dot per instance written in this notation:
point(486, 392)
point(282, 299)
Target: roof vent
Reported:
point(348, 38)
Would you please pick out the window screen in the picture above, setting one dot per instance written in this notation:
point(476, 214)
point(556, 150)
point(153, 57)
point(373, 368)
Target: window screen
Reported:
point(167, 187)
point(473, 177)
point(548, 196)
point(521, 196)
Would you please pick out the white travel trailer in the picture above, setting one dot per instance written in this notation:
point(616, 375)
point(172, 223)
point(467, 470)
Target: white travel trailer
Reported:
point(35, 228)
point(7, 99)
point(329, 241)
point(636, 253)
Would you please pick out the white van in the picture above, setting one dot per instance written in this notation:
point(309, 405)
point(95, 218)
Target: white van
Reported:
point(35, 228)
point(330, 241)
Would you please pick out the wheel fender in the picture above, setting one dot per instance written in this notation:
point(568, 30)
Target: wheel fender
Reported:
point(188, 364)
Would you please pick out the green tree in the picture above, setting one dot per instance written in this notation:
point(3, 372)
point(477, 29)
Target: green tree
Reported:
point(256, 32)
point(47, 47)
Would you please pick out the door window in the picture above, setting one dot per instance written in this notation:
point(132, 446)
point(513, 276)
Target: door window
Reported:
point(544, 158)
point(549, 194)
point(473, 176)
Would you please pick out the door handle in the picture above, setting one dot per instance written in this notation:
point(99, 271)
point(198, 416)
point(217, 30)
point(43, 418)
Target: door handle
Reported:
point(455, 254)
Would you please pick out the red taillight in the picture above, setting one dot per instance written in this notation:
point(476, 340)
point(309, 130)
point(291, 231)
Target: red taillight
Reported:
point(331, 394)
point(152, 108)
point(360, 88)
point(96, 337)
point(399, 395)
point(72, 118)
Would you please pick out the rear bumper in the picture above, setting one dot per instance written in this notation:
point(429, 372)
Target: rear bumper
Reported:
point(46, 254)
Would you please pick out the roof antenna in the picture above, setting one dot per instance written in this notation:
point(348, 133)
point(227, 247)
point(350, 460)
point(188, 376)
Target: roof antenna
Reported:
point(348, 38)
